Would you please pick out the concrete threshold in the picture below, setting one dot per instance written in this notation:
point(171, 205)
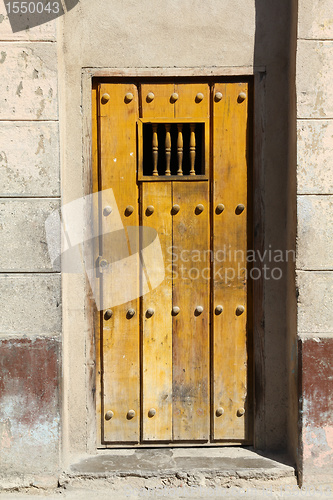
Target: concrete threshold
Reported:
point(186, 464)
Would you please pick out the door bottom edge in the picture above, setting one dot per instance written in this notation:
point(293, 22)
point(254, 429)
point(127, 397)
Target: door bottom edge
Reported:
point(198, 444)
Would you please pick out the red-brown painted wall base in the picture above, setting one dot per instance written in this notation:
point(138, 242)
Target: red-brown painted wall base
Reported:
point(29, 404)
point(316, 409)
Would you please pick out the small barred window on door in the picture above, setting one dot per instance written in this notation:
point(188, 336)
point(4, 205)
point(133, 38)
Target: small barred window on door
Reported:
point(173, 149)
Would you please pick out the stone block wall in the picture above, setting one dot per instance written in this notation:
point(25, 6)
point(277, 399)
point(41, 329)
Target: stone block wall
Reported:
point(101, 34)
point(315, 242)
point(30, 289)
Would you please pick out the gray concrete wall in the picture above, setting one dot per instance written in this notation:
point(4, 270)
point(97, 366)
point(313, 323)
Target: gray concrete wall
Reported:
point(30, 289)
point(314, 235)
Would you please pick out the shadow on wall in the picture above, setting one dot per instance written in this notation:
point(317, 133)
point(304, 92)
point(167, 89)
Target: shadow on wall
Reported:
point(276, 385)
point(36, 13)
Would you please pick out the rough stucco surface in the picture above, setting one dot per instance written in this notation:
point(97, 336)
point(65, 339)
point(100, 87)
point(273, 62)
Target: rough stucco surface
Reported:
point(317, 405)
point(166, 33)
point(31, 93)
point(30, 304)
point(29, 159)
point(315, 230)
point(30, 291)
point(23, 229)
point(29, 404)
point(315, 302)
point(314, 255)
point(44, 32)
point(315, 157)
point(314, 89)
point(315, 19)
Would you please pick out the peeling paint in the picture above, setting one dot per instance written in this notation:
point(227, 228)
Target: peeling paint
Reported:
point(29, 402)
point(31, 69)
point(5, 434)
point(41, 146)
point(319, 103)
point(318, 446)
point(315, 157)
point(41, 109)
point(317, 403)
point(3, 158)
point(19, 89)
point(25, 57)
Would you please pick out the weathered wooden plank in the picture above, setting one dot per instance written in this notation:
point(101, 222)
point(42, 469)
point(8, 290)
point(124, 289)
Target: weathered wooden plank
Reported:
point(155, 100)
point(230, 359)
point(190, 327)
point(121, 348)
point(193, 101)
point(157, 329)
point(157, 320)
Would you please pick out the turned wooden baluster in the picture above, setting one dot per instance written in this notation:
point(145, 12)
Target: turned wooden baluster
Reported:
point(180, 149)
point(167, 150)
point(155, 150)
point(192, 149)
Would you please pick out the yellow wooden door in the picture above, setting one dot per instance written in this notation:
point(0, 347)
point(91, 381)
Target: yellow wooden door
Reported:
point(175, 356)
